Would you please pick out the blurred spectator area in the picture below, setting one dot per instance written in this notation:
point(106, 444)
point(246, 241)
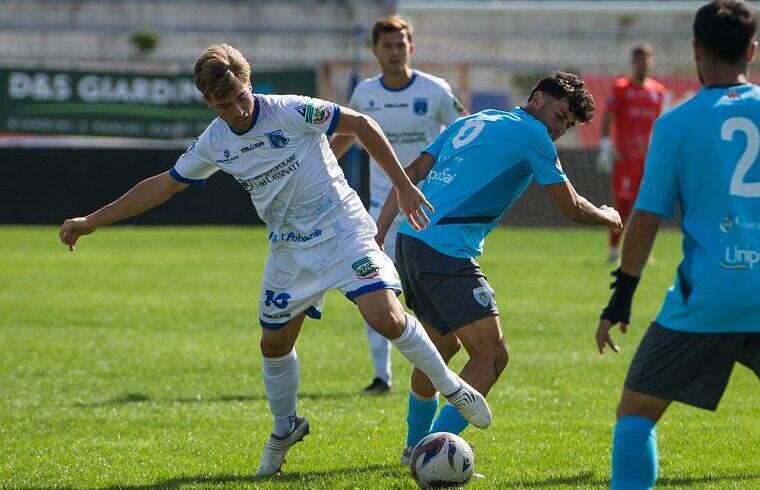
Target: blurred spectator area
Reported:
point(514, 36)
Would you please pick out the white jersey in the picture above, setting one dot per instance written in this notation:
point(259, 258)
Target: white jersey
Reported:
point(411, 118)
point(285, 163)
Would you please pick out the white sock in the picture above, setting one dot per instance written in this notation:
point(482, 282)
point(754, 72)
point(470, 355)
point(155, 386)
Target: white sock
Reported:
point(417, 347)
point(380, 348)
point(281, 382)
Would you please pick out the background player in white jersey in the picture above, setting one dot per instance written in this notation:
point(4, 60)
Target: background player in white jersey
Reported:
point(411, 107)
point(321, 237)
point(703, 154)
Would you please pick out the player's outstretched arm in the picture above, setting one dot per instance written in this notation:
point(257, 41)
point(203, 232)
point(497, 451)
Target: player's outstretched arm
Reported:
point(416, 171)
point(410, 200)
point(578, 209)
point(637, 244)
point(146, 195)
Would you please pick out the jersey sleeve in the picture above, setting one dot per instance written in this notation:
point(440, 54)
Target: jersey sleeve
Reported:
point(449, 106)
point(544, 161)
point(306, 115)
point(195, 165)
point(659, 187)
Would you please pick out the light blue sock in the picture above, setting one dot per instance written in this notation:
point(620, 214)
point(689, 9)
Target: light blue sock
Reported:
point(634, 454)
point(449, 420)
point(419, 418)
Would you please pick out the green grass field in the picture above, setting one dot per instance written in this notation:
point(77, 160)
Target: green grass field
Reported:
point(134, 363)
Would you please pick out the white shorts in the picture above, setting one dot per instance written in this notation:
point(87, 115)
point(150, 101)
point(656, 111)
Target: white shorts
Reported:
point(296, 280)
point(389, 246)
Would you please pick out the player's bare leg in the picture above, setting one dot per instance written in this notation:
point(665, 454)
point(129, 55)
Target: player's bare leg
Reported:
point(382, 310)
point(281, 375)
point(484, 342)
point(641, 405)
point(447, 346)
point(488, 358)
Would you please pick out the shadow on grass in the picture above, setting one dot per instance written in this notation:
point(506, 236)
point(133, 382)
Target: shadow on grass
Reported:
point(584, 478)
point(587, 478)
point(300, 477)
point(128, 398)
point(693, 480)
point(307, 477)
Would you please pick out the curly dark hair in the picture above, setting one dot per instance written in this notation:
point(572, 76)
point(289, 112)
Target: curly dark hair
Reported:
point(566, 86)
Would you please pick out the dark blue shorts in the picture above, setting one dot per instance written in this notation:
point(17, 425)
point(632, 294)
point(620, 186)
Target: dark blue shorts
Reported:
point(691, 368)
point(444, 292)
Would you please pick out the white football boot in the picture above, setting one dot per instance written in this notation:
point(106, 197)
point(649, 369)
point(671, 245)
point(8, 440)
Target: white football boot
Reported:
point(471, 405)
point(273, 456)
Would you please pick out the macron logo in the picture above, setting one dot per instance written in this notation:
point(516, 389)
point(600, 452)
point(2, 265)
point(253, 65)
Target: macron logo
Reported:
point(252, 146)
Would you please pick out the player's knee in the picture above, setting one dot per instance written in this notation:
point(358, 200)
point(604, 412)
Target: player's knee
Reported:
point(388, 324)
point(501, 357)
point(633, 403)
point(272, 346)
point(492, 358)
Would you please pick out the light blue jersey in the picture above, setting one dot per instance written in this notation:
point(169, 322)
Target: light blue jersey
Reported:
point(704, 154)
point(484, 162)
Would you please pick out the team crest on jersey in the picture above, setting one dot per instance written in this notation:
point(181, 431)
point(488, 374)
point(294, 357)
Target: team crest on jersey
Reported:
point(314, 114)
point(420, 106)
point(482, 295)
point(727, 223)
point(277, 139)
point(365, 268)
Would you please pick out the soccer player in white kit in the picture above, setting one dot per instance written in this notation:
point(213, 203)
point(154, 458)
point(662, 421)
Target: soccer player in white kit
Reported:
point(411, 107)
point(321, 237)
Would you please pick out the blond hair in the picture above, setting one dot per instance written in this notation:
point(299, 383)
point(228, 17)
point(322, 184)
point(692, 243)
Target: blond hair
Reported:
point(391, 23)
point(220, 70)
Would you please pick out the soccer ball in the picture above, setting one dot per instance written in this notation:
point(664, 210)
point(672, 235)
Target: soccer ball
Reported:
point(442, 460)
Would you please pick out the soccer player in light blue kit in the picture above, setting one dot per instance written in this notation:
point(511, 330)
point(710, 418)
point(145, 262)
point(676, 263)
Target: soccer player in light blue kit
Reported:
point(704, 154)
point(474, 171)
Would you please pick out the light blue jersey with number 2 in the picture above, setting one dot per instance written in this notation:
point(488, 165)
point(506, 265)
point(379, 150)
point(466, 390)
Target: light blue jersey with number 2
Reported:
point(484, 162)
point(705, 155)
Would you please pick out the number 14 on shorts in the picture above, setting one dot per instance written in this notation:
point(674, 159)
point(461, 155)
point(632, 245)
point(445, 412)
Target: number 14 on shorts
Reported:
point(280, 301)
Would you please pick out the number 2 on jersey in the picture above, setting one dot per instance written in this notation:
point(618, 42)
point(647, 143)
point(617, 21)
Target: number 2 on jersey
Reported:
point(738, 186)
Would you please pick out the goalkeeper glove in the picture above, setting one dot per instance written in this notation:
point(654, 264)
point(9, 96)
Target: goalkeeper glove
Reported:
point(607, 156)
point(619, 307)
